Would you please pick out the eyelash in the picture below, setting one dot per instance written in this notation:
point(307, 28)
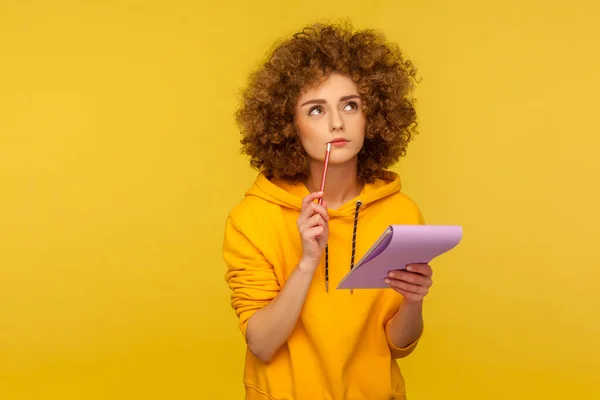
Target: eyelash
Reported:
point(313, 109)
point(353, 103)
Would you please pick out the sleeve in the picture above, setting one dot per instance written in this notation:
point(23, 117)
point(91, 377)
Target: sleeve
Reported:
point(250, 277)
point(399, 352)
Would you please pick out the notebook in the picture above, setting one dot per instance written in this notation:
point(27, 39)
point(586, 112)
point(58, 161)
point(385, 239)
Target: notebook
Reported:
point(398, 246)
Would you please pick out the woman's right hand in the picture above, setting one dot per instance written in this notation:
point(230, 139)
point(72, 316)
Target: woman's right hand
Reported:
point(314, 231)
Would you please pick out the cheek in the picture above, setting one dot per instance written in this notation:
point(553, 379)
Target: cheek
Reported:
point(361, 122)
point(357, 126)
point(310, 137)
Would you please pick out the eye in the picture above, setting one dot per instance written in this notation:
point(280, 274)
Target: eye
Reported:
point(351, 106)
point(316, 110)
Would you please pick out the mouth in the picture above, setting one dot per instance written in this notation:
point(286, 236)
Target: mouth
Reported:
point(339, 141)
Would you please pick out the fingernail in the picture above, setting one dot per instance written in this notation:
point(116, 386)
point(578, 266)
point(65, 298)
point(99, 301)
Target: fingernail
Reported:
point(391, 274)
point(409, 268)
point(386, 280)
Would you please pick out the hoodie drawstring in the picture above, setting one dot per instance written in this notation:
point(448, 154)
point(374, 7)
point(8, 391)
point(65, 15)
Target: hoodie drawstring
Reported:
point(354, 230)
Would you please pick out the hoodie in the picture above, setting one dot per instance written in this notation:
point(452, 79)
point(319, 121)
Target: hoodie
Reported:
point(340, 348)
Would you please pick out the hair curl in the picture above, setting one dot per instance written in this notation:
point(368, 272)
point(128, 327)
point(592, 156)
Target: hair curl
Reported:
point(384, 80)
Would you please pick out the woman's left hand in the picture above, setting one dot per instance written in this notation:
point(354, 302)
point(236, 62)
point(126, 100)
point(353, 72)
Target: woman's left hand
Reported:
point(413, 283)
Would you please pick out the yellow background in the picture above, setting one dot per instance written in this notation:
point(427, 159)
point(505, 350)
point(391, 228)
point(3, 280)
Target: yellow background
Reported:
point(119, 160)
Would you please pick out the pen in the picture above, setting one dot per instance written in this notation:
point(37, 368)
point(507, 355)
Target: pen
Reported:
point(327, 152)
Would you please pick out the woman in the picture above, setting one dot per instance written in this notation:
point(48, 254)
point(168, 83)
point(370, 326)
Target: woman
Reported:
point(286, 253)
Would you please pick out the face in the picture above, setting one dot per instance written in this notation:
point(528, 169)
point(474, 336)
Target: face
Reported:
point(331, 112)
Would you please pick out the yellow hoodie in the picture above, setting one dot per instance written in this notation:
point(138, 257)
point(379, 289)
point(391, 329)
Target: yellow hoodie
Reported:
point(340, 348)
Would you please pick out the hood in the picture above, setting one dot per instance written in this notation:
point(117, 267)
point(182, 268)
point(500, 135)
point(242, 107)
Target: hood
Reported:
point(288, 195)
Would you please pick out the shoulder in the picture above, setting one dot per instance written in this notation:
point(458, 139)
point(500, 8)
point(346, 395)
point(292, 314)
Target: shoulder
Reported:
point(405, 207)
point(405, 201)
point(252, 212)
point(392, 200)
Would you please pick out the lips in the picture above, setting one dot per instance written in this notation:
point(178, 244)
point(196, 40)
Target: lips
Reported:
point(338, 141)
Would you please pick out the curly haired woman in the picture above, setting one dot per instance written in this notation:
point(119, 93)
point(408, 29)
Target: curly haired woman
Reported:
point(285, 252)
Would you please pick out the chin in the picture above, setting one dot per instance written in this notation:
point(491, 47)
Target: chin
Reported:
point(338, 159)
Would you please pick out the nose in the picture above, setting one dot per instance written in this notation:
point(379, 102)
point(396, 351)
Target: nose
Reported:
point(336, 122)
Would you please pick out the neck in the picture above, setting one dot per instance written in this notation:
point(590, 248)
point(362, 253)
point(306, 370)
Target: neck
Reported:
point(341, 183)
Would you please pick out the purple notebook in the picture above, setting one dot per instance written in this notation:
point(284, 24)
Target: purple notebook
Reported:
point(398, 246)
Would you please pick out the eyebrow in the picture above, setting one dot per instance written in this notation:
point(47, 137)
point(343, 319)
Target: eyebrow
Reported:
point(322, 101)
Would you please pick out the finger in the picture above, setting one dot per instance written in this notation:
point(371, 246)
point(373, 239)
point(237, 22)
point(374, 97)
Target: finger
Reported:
point(407, 287)
point(310, 198)
point(405, 293)
point(411, 277)
point(322, 211)
point(423, 269)
point(315, 220)
point(313, 233)
point(309, 209)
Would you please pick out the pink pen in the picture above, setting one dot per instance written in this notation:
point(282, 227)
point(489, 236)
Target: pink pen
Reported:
point(328, 151)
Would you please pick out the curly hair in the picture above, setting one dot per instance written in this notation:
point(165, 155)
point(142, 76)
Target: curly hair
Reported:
point(384, 80)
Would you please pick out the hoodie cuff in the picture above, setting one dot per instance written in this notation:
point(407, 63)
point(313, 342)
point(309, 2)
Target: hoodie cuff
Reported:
point(399, 352)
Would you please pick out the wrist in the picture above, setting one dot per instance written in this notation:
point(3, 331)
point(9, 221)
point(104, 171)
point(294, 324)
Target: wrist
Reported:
point(307, 265)
point(412, 306)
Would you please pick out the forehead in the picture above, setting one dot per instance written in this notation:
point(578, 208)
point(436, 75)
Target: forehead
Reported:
point(332, 87)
